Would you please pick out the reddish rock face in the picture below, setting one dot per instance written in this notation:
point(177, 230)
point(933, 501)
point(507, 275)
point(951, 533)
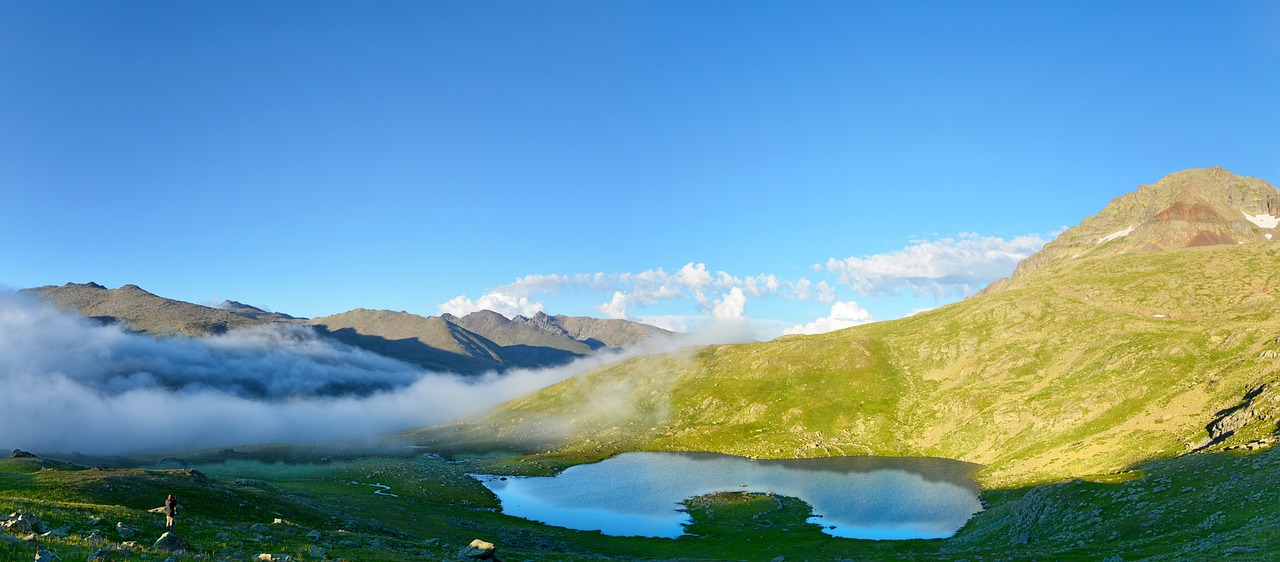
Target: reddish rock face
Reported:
point(1203, 238)
point(1195, 212)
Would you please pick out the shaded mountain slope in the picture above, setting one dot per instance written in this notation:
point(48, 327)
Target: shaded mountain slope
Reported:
point(1081, 366)
point(429, 341)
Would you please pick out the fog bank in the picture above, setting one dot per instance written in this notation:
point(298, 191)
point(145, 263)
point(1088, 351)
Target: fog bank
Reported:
point(71, 384)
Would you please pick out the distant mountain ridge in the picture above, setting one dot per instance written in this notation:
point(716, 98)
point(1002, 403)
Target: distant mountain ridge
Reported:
point(478, 342)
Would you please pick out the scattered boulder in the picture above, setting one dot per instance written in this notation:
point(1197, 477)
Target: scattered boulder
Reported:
point(279, 521)
point(95, 538)
point(16, 526)
point(131, 545)
point(100, 555)
point(125, 532)
point(223, 535)
point(264, 557)
point(314, 535)
point(259, 528)
point(20, 454)
point(47, 556)
point(479, 550)
point(170, 541)
point(8, 540)
point(317, 552)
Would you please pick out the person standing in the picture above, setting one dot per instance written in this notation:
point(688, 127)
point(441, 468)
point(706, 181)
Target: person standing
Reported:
point(170, 511)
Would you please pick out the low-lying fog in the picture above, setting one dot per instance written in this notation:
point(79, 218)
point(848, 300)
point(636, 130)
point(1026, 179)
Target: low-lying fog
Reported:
point(71, 384)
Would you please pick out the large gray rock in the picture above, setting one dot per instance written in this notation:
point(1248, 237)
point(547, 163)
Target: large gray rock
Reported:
point(20, 454)
point(125, 533)
point(478, 550)
point(47, 556)
point(170, 541)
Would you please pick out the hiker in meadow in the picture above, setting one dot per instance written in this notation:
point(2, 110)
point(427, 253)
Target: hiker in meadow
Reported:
point(170, 511)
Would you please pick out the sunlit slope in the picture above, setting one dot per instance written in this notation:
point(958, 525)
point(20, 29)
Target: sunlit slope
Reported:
point(1081, 368)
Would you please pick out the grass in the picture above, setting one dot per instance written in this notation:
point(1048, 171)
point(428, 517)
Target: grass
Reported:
point(1083, 368)
point(1196, 506)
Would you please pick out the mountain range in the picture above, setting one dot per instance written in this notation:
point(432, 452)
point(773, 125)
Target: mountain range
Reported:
point(479, 342)
point(1148, 331)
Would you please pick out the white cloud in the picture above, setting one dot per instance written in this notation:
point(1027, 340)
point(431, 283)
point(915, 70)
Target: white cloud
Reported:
point(506, 304)
point(616, 308)
point(944, 267)
point(844, 314)
point(731, 307)
point(762, 285)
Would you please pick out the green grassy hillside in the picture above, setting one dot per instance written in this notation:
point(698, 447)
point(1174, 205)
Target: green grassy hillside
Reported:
point(1090, 366)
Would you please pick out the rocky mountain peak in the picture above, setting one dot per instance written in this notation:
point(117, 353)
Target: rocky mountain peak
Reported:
point(1186, 209)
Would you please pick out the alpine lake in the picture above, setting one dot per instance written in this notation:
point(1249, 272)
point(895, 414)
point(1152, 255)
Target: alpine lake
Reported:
point(640, 494)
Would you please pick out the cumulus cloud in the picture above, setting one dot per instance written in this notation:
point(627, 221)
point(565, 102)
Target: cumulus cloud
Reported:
point(946, 267)
point(845, 314)
point(71, 384)
point(630, 291)
point(731, 307)
point(506, 304)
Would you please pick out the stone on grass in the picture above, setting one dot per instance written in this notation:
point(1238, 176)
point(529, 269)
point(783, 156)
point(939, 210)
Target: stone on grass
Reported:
point(223, 536)
point(47, 556)
point(170, 541)
point(314, 535)
point(478, 550)
point(125, 532)
point(317, 552)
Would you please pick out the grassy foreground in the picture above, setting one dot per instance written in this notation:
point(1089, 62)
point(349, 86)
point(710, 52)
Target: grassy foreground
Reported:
point(1197, 506)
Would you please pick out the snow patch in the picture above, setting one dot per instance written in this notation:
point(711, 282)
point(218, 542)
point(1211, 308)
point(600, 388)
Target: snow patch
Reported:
point(1263, 221)
point(1268, 236)
point(1117, 234)
point(1157, 316)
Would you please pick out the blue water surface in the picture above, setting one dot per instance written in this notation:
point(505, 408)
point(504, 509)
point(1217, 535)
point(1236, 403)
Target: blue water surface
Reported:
point(640, 494)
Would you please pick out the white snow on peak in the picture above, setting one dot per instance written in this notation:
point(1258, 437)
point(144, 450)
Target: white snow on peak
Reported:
point(1116, 234)
point(1263, 221)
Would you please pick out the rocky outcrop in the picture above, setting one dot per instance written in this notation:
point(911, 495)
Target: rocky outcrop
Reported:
point(20, 454)
point(170, 541)
point(1260, 404)
point(20, 523)
point(479, 550)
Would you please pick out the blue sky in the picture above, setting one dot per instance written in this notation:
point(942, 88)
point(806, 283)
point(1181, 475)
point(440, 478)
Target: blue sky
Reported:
point(775, 161)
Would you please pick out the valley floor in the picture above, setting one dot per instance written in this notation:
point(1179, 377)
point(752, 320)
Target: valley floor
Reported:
point(422, 507)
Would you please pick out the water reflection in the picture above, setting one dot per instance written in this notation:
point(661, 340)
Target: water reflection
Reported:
point(639, 494)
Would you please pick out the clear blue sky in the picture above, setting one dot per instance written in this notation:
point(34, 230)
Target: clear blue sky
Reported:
point(314, 157)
